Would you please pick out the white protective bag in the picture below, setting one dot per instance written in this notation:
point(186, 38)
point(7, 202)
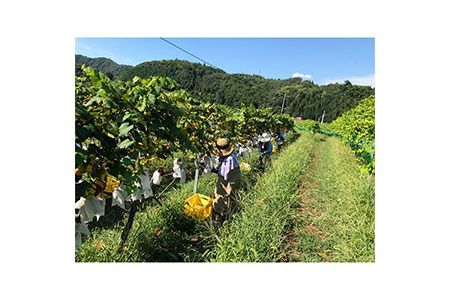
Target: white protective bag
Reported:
point(90, 208)
point(156, 178)
point(80, 229)
point(178, 170)
point(146, 185)
point(119, 196)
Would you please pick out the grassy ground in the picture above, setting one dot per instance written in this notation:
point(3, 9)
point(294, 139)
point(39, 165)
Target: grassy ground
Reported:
point(311, 205)
point(256, 234)
point(335, 217)
point(159, 233)
point(162, 233)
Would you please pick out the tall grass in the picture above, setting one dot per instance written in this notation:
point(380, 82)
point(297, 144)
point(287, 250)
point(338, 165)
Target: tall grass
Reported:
point(257, 233)
point(337, 220)
point(160, 233)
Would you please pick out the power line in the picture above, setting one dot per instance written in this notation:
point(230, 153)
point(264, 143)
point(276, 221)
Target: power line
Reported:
point(189, 53)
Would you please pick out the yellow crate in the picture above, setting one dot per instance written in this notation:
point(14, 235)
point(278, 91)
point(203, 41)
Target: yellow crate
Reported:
point(198, 206)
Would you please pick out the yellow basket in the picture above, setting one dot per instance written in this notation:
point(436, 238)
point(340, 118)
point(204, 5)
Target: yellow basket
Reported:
point(245, 167)
point(198, 206)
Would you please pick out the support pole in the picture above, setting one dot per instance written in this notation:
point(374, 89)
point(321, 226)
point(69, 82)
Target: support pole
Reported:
point(282, 106)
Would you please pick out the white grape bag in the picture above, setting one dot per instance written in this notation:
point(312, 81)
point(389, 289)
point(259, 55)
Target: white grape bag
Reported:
point(178, 171)
point(119, 196)
point(215, 161)
point(90, 208)
point(208, 164)
point(80, 229)
point(77, 239)
point(240, 150)
point(146, 185)
point(244, 151)
point(86, 212)
point(248, 151)
point(137, 195)
point(176, 168)
point(99, 206)
point(182, 176)
point(156, 178)
point(138, 192)
point(79, 204)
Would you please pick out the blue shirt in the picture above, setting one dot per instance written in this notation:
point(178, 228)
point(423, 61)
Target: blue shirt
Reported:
point(281, 137)
point(265, 148)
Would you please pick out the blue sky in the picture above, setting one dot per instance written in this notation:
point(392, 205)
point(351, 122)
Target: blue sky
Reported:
point(322, 60)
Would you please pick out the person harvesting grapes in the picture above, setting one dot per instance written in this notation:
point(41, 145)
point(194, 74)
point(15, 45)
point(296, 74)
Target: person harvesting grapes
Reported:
point(228, 181)
point(265, 149)
point(280, 139)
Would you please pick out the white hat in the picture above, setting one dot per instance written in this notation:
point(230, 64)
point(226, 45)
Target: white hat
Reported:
point(265, 137)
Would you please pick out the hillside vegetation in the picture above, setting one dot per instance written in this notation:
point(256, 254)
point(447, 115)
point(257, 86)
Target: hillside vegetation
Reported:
point(356, 127)
point(303, 98)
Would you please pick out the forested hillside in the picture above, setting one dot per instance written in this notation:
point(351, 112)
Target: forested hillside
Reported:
point(103, 64)
point(303, 98)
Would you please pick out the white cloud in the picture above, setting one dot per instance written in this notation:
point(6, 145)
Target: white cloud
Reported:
point(301, 75)
point(356, 80)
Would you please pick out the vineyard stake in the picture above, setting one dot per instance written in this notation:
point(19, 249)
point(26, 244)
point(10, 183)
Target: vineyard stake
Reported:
point(126, 230)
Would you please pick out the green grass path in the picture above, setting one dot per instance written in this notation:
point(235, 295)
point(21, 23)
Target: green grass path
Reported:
point(257, 233)
point(334, 220)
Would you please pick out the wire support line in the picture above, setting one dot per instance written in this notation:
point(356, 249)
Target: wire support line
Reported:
point(169, 42)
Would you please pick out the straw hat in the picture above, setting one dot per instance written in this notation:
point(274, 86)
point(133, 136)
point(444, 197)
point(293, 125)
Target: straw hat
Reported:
point(224, 146)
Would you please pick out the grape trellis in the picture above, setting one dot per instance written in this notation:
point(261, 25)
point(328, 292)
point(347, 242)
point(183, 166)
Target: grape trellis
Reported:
point(124, 129)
